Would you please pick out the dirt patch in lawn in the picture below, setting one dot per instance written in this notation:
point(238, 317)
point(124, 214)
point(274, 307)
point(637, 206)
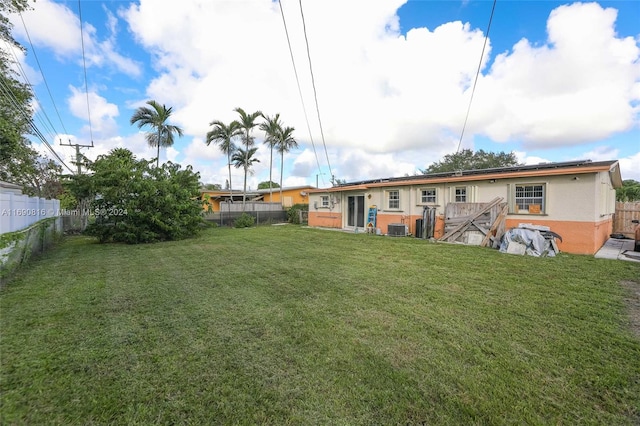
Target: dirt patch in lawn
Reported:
point(633, 304)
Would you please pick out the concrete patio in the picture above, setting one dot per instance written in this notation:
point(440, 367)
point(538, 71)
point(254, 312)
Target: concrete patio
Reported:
point(621, 249)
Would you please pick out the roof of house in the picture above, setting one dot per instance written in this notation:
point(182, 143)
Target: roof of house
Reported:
point(290, 188)
point(10, 187)
point(222, 193)
point(543, 169)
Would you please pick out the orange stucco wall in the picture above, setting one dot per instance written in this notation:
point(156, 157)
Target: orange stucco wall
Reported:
point(295, 194)
point(577, 237)
point(334, 220)
point(215, 205)
point(325, 219)
point(384, 220)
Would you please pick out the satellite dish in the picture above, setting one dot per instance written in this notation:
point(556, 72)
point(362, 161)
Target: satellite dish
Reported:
point(303, 193)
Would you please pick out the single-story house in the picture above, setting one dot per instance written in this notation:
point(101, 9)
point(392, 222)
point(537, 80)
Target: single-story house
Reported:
point(576, 199)
point(290, 196)
point(215, 197)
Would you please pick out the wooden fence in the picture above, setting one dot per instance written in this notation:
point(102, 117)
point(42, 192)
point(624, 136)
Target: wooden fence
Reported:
point(625, 213)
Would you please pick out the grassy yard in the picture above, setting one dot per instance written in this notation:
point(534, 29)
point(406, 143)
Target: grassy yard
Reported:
point(288, 325)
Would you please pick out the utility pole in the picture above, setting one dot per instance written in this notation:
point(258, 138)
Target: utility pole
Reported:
point(78, 155)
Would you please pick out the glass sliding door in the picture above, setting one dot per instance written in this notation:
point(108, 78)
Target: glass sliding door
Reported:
point(355, 211)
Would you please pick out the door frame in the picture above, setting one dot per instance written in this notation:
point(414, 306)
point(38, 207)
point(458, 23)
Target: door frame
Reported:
point(360, 220)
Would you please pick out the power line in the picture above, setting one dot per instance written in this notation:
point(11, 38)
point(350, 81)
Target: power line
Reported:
point(295, 71)
point(315, 94)
point(84, 66)
point(20, 109)
point(34, 129)
point(35, 55)
point(486, 36)
point(50, 128)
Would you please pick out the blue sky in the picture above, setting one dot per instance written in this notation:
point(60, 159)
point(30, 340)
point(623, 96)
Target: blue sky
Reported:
point(559, 80)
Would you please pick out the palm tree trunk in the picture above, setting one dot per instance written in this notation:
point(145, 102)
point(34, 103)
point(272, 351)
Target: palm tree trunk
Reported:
point(244, 193)
point(281, 171)
point(270, 176)
point(246, 159)
point(230, 186)
point(158, 141)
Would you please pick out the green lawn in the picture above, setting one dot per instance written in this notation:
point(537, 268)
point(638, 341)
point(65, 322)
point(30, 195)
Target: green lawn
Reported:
point(289, 325)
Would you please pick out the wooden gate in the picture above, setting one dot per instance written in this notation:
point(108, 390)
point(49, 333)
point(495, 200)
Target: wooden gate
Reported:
point(625, 213)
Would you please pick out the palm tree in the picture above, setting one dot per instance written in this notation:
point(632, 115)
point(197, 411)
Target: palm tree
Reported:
point(156, 117)
point(223, 135)
point(285, 143)
point(271, 127)
point(245, 159)
point(247, 122)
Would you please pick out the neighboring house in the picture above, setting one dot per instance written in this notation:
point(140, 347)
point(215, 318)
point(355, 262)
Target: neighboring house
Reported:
point(290, 196)
point(575, 199)
point(216, 198)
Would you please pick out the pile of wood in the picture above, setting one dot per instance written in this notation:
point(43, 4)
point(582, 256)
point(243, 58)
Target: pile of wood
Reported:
point(475, 223)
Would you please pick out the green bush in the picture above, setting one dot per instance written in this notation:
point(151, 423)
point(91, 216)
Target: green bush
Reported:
point(140, 203)
point(244, 221)
point(292, 214)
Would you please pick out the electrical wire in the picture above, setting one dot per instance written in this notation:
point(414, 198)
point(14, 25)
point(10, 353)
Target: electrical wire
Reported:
point(295, 71)
point(21, 109)
point(315, 93)
point(84, 65)
point(47, 124)
point(475, 82)
point(35, 55)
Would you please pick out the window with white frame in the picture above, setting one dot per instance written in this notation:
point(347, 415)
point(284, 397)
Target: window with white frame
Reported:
point(529, 198)
point(460, 194)
point(393, 199)
point(427, 195)
point(324, 201)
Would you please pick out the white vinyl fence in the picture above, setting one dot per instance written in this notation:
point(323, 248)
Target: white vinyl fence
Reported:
point(18, 211)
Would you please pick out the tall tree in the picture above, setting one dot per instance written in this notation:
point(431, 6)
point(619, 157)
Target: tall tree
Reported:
point(469, 160)
point(271, 127)
point(18, 161)
point(630, 191)
point(157, 118)
point(7, 7)
point(129, 209)
point(247, 122)
point(268, 185)
point(285, 143)
point(223, 135)
point(244, 159)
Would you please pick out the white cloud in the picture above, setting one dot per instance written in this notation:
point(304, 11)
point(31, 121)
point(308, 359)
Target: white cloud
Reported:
point(524, 158)
point(390, 103)
point(579, 87)
point(51, 18)
point(55, 26)
point(381, 92)
point(101, 112)
point(601, 153)
point(630, 167)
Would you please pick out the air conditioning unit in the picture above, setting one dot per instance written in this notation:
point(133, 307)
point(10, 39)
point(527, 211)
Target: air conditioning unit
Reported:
point(397, 230)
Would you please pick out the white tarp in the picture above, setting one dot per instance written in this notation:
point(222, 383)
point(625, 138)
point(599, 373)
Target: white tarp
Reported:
point(526, 241)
